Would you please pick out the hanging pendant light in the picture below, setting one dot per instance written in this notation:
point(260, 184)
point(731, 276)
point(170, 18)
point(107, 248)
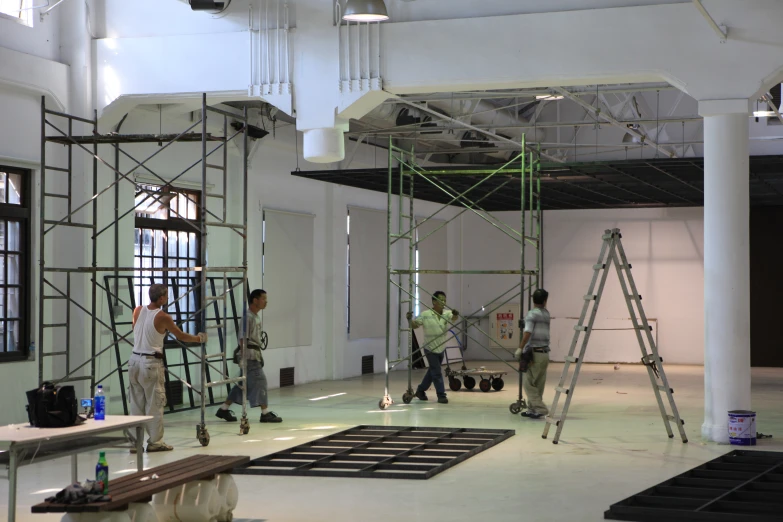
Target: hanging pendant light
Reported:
point(365, 11)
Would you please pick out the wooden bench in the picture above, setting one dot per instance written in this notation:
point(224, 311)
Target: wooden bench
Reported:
point(140, 487)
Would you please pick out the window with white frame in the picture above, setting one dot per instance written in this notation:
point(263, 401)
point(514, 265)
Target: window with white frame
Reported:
point(19, 10)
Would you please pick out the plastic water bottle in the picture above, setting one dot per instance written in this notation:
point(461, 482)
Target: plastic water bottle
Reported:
point(100, 404)
point(31, 352)
point(102, 473)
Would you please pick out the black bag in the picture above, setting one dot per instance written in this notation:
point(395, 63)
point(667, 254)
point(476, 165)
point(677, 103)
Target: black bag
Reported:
point(53, 406)
point(238, 353)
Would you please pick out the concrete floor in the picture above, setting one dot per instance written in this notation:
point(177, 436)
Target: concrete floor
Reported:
point(613, 446)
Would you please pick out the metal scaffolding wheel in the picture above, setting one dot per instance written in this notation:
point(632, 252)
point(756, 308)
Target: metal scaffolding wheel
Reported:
point(455, 384)
point(244, 426)
point(485, 385)
point(385, 402)
point(515, 408)
point(497, 383)
point(202, 434)
point(469, 382)
point(264, 340)
point(407, 397)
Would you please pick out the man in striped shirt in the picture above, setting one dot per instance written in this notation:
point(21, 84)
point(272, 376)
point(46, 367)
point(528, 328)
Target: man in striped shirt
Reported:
point(534, 350)
point(436, 323)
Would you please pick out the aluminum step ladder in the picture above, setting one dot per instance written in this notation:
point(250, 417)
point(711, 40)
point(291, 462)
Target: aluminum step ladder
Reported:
point(612, 252)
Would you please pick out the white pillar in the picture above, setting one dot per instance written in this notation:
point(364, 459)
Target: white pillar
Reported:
point(726, 260)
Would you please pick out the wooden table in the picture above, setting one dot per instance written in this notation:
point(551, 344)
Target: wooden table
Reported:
point(24, 444)
point(140, 487)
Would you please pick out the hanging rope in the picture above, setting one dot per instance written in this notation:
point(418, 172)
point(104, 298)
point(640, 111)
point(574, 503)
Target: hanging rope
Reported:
point(657, 126)
point(296, 141)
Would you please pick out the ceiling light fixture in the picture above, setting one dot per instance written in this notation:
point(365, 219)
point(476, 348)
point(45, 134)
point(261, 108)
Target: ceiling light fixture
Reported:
point(365, 11)
point(763, 114)
point(550, 97)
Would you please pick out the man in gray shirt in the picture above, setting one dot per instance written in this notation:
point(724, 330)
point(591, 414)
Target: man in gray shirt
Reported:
point(534, 350)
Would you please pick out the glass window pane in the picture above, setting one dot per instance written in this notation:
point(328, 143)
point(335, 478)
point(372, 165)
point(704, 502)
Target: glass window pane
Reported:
point(2, 234)
point(12, 336)
point(192, 246)
point(12, 311)
point(172, 240)
point(159, 242)
point(14, 188)
point(183, 244)
point(13, 236)
point(2, 187)
point(2, 270)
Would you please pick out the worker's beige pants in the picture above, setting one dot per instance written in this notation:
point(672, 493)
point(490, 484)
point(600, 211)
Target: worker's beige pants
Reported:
point(147, 393)
point(534, 381)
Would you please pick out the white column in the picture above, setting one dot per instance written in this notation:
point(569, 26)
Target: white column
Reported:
point(726, 260)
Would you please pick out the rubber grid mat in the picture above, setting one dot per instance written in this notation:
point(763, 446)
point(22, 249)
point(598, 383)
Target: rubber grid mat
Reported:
point(741, 486)
point(379, 452)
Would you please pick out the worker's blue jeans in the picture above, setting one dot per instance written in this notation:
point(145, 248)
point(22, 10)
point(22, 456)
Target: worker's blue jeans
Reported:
point(434, 374)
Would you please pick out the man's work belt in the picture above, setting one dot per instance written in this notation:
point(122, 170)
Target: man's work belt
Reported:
point(540, 350)
point(156, 355)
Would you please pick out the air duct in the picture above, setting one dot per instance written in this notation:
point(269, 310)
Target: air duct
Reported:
point(208, 5)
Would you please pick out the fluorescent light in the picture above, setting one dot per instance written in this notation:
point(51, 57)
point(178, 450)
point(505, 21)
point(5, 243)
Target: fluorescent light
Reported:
point(365, 11)
point(763, 114)
point(550, 97)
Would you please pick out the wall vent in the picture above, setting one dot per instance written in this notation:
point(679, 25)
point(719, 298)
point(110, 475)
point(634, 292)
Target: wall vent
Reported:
point(368, 364)
point(286, 377)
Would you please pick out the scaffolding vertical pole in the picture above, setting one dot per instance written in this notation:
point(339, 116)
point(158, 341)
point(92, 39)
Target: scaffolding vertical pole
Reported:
point(539, 225)
point(521, 322)
point(94, 274)
point(386, 400)
point(202, 434)
point(413, 245)
point(244, 426)
point(41, 250)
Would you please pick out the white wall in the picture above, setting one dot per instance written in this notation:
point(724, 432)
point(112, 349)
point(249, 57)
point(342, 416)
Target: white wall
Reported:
point(665, 248)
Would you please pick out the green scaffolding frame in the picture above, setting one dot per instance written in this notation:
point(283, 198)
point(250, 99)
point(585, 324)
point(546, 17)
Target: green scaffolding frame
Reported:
point(523, 169)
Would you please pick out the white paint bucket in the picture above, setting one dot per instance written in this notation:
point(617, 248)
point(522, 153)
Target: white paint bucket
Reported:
point(742, 427)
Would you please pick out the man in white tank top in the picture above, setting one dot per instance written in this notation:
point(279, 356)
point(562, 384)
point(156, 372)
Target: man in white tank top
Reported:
point(146, 373)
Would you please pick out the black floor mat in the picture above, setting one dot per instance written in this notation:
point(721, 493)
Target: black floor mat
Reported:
point(399, 452)
point(741, 486)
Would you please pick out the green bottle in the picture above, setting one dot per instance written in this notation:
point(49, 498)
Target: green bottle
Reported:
point(102, 473)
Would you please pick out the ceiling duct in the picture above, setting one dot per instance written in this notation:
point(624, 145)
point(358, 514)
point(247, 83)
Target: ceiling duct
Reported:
point(410, 116)
point(208, 5)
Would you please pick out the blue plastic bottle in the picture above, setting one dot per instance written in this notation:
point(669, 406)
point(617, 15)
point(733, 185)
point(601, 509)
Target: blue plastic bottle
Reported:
point(100, 404)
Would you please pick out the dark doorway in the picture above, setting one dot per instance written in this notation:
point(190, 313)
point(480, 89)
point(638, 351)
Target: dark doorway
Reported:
point(766, 286)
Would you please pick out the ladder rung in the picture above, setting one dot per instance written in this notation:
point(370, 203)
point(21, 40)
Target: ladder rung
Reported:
point(560, 389)
point(58, 169)
point(634, 296)
point(54, 297)
point(599, 266)
point(209, 195)
point(56, 325)
point(672, 419)
point(650, 358)
point(215, 327)
point(50, 195)
point(552, 420)
point(663, 388)
point(400, 236)
point(580, 328)
point(215, 356)
point(216, 167)
point(52, 354)
point(405, 216)
point(628, 266)
point(591, 297)
point(73, 379)
point(216, 298)
point(571, 358)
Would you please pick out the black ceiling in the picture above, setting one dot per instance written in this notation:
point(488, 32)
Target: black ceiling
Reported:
point(619, 184)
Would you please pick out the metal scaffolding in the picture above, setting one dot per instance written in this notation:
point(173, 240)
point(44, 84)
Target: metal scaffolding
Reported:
point(62, 208)
point(522, 171)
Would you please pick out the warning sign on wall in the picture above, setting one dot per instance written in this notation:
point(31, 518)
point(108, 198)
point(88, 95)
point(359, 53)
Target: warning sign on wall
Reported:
point(503, 327)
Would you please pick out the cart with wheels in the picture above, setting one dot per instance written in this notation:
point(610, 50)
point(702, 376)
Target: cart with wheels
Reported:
point(487, 379)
